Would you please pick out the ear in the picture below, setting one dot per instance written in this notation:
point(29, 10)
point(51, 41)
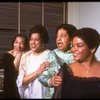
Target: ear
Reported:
point(93, 50)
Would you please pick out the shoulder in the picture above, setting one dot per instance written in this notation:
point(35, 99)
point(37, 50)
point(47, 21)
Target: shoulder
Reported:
point(52, 53)
point(26, 54)
point(8, 55)
point(47, 51)
point(73, 65)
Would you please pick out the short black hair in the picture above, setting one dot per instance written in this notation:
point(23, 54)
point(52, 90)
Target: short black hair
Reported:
point(69, 28)
point(42, 32)
point(89, 35)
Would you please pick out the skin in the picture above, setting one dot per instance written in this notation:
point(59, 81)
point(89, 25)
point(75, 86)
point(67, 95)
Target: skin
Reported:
point(85, 60)
point(35, 43)
point(80, 50)
point(18, 47)
point(62, 41)
point(19, 44)
point(86, 65)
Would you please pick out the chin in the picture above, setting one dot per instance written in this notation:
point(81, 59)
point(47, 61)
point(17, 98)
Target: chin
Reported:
point(60, 48)
point(79, 60)
point(76, 59)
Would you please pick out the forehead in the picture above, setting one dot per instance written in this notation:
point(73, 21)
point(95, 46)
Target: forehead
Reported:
point(78, 40)
point(19, 39)
point(62, 31)
point(35, 35)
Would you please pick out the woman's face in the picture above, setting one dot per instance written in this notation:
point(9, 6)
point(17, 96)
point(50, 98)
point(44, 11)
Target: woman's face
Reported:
point(80, 49)
point(35, 42)
point(19, 44)
point(62, 39)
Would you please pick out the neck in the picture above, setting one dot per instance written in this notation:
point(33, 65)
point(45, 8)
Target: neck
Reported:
point(88, 62)
point(38, 52)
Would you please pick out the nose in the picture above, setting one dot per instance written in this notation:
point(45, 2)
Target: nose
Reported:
point(32, 41)
point(18, 45)
point(73, 49)
point(58, 38)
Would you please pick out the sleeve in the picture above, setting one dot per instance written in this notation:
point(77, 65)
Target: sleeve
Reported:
point(52, 69)
point(58, 90)
point(22, 72)
point(8, 60)
point(9, 68)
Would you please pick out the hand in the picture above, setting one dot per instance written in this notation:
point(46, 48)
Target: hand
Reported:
point(43, 67)
point(55, 80)
point(16, 53)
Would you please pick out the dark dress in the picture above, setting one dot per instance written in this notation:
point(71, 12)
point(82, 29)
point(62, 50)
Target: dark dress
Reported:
point(10, 75)
point(77, 87)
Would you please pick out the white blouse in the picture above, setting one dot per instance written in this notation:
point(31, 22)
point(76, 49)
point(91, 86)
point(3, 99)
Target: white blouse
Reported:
point(30, 63)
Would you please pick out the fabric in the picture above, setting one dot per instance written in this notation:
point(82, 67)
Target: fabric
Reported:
point(57, 59)
point(57, 90)
point(10, 75)
point(30, 63)
point(74, 87)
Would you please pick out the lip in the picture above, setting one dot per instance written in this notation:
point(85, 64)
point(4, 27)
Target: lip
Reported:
point(33, 46)
point(75, 54)
point(60, 44)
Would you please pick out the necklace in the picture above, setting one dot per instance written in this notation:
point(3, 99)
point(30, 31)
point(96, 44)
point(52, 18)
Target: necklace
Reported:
point(87, 70)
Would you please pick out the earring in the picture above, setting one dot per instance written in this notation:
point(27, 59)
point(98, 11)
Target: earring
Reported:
point(70, 44)
point(43, 45)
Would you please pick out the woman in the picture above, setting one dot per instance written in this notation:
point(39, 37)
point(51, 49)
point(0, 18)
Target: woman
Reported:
point(82, 78)
point(58, 56)
point(11, 61)
point(33, 64)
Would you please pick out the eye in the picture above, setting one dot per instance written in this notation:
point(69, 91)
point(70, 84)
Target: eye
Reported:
point(80, 45)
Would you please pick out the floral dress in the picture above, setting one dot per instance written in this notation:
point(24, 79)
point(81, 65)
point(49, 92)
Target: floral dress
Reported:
point(57, 59)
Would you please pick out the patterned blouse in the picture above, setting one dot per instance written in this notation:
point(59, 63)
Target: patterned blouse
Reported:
point(57, 59)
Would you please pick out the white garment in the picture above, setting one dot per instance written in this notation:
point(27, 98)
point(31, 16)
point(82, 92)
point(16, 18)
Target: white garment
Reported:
point(30, 63)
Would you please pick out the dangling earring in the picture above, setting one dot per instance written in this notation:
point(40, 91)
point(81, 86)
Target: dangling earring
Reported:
point(43, 45)
point(70, 44)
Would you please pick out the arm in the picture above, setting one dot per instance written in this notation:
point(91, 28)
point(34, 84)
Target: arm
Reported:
point(52, 69)
point(24, 78)
point(17, 61)
point(32, 76)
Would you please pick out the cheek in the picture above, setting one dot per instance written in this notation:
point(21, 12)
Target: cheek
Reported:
point(14, 45)
point(83, 54)
point(66, 42)
point(22, 46)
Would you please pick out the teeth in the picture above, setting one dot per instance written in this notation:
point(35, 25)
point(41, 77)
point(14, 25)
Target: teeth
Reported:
point(60, 44)
point(33, 46)
point(75, 54)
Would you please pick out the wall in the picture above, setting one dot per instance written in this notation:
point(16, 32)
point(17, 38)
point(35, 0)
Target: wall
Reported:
point(19, 17)
point(82, 14)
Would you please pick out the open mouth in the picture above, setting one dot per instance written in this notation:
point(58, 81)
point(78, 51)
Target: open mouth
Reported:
point(75, 54)
point(60, 44)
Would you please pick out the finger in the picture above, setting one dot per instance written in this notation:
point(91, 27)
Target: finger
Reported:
point(57, 83)
point(56, 73)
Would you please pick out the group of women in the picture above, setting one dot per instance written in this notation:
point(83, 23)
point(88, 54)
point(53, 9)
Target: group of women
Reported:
point(69, 71)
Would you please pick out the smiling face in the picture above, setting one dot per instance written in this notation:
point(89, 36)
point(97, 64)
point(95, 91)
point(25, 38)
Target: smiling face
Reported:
point(62, 39)
point(35, 42)
point(19, 44)
point(80, 50)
